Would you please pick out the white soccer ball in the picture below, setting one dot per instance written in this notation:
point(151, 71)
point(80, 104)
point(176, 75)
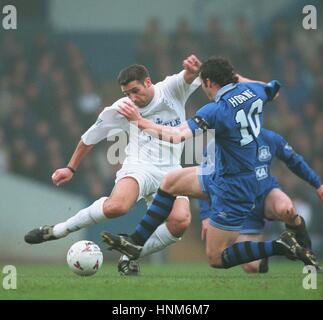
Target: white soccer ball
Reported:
point(84, 258)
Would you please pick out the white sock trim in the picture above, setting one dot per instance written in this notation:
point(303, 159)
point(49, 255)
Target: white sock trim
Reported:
point(96, 210)
point(163, 233)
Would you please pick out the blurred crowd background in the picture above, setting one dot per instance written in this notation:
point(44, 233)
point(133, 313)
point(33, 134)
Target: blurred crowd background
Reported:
point(53, 86)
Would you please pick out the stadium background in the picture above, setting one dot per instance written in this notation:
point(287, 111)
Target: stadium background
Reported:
point(58, 70)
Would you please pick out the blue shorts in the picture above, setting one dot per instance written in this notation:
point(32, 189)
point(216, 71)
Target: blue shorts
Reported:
point(231, 198)
point(255, 221)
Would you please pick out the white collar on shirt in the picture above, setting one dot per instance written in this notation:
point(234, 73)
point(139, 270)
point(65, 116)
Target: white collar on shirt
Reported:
point(224, 90)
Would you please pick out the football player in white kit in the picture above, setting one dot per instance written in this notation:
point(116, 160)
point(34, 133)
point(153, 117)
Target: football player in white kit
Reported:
point(147, 160)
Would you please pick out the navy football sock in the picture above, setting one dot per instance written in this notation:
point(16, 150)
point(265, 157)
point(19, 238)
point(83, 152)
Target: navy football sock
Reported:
point(247, 251)
point(301, 233)
point(156, 214)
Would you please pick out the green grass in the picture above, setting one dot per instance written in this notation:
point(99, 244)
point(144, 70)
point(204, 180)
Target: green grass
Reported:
point(169, 281)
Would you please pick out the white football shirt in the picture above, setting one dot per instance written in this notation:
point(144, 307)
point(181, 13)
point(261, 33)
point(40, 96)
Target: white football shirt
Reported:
point(166, 108)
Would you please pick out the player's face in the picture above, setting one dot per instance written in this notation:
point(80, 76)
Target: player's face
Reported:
point(139, 93)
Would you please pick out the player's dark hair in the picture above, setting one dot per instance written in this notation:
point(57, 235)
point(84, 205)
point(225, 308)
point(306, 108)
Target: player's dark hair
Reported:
point(218, 70)
point(132, 73)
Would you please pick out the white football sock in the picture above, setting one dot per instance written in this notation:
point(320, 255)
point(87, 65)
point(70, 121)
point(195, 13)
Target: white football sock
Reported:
point(84, 218)
point(159, 240)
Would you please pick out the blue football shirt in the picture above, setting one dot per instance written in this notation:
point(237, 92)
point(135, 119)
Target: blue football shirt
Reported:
point(236, 117)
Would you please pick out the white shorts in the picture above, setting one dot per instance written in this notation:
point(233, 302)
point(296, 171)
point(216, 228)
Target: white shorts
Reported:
point(148, 177)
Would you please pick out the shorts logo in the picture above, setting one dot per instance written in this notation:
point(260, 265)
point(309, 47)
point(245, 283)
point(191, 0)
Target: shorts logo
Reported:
point(261, 172)
point(264, 153)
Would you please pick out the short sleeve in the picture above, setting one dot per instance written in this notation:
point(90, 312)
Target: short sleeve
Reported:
point(176, 87)
point(272, 88)
point(266, 91)
point(108, 123)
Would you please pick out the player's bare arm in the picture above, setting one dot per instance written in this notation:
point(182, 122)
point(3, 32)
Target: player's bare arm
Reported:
point(166, 133)
point(244, 79)
point(191, 66)
point(63, 175)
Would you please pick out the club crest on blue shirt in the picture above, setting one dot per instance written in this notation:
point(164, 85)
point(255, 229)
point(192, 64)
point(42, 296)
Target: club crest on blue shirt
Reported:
point(264, 153)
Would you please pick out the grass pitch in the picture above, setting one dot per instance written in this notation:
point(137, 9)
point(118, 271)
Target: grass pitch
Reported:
point(165, 282)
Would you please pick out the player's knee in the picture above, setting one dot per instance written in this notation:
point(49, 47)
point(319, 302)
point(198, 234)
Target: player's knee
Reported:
point(179, 222)
point(286, 210)
point(183, 218)
point(250, 268)
point(284, 207)
point(113, 209)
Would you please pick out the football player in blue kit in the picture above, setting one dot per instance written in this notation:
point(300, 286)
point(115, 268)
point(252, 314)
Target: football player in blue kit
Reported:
point(271, 202)
point(235, 116)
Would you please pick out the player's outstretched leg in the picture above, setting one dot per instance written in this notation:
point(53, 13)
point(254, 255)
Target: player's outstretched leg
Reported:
point(257, 266)
point(247, 251)
point(39, 235)
point(84, 218)
point(123, 196)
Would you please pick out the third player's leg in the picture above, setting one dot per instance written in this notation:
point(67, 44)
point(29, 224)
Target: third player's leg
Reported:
point(123, 196)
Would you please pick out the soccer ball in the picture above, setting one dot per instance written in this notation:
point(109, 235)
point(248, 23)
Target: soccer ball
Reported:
point(84, 258)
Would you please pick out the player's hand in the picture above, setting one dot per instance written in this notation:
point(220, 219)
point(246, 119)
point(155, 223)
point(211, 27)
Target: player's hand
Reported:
point(205, 224)
point(130, 111)
point(319, 192)
point(192, 64)
point(61, 176)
